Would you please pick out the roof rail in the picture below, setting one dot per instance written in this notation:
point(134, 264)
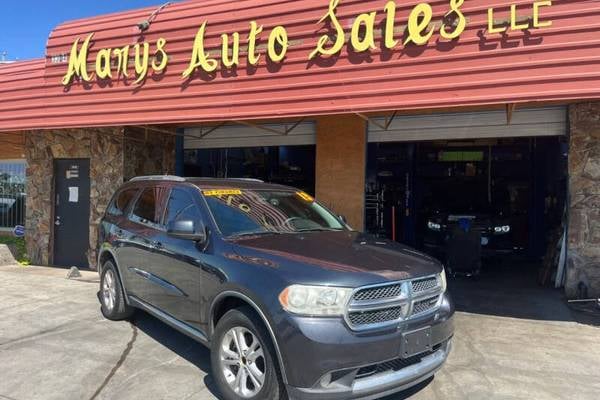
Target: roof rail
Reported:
point(158, 178)
point(249, 179)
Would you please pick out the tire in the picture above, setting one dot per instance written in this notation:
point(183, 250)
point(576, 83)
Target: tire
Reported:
point(111, 294)
point(248, 327)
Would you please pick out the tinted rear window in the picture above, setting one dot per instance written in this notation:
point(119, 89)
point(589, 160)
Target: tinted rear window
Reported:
point(145, 208)
point(121, 201)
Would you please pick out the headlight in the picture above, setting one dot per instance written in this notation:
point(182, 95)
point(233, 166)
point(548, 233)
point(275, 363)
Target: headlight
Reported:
point(434, 226)
point(443, 279)
point(502, 229)
point(315, 300)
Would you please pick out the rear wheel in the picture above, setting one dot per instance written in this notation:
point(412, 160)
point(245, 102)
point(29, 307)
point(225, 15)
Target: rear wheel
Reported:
point(111, 294)
point(243, 358)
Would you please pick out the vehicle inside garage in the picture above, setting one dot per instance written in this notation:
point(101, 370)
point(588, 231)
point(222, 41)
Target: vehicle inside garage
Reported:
point(508, 192)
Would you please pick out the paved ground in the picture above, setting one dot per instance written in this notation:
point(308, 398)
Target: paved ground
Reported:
point(512, 342)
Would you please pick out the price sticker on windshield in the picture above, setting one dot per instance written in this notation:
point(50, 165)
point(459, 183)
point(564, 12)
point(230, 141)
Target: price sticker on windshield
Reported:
point(222, 192)
point(305, 196)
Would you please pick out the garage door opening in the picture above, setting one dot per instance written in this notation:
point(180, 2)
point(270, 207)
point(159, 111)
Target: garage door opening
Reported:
point(508, 192)
point(281, 153)
point(287, 165)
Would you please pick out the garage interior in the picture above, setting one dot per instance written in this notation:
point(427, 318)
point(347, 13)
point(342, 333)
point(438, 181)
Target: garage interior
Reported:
point(506, 179)
point(505, 171)
point(281, 153)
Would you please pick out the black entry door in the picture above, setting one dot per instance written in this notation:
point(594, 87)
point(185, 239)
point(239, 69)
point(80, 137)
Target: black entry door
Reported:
point(71, 212)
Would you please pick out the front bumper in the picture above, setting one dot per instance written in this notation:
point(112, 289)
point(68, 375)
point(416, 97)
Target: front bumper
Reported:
point(324, 359)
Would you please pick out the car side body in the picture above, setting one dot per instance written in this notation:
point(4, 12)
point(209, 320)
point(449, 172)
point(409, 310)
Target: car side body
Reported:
point(192, 280)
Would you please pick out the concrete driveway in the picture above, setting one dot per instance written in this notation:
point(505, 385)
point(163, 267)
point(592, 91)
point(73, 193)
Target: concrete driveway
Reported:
point(54, 344)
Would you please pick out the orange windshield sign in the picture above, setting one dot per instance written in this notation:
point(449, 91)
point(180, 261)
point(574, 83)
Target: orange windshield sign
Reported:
point(305, 196)
point(222, 192)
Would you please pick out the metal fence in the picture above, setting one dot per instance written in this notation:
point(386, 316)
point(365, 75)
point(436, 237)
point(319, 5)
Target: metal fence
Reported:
point(12, 193)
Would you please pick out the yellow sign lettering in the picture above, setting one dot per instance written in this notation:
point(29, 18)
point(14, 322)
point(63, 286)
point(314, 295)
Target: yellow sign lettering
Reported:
point(122, 55)
point(338, 40)
point(103, 64)
point(514, 25)
point(278, 44)
point(78, 61)
point(200, 58)
point(142, 54)
point(255, 30)
point(536, 14)
point(235, 52)
point(491, 23)
point(418, 22)
point(390, 9)
point(461, 21)
point(160, 55)
point(368, 41)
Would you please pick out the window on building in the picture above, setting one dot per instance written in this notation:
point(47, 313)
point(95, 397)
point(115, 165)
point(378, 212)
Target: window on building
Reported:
point(12, 193)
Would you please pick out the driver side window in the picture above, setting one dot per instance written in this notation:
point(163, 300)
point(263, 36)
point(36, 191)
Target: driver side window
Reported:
point(181, 206)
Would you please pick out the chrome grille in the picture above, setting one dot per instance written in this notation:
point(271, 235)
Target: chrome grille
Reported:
point(423, 285)
point(424, 305)
point(387, 304)
point(381, 292)
point(360, 318)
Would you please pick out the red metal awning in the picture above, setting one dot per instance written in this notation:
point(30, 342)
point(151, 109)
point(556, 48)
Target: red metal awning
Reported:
point(557, 63)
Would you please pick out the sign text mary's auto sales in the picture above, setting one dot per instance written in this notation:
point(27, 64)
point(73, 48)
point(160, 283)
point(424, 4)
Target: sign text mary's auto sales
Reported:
point(419, 30)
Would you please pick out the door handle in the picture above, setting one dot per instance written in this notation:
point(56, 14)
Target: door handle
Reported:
point(57, 221)
point(119, 234)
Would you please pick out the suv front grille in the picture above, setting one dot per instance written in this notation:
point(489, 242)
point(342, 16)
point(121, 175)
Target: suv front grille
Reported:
point(424, 305)
point(387, 304)
point(381, 292)
point(360, 318)
point(423, 285)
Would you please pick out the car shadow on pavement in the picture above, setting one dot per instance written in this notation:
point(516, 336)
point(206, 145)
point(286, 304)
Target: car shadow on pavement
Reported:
point(408, 393)
point(199, 355)
point(180, 344)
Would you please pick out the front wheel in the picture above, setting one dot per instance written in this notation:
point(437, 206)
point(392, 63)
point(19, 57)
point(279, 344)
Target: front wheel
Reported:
point(243, 359)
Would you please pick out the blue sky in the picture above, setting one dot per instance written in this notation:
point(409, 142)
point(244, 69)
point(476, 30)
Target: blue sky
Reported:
point(25, 24)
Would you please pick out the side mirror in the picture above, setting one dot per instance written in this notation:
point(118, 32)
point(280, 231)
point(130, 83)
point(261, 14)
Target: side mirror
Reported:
point(343, 219)
point(187, 229)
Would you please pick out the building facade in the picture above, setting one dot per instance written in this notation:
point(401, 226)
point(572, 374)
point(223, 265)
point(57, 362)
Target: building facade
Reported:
point(393, 102)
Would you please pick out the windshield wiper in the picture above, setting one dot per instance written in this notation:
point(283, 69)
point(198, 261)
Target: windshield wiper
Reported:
point(253, 233)
point(319, 230)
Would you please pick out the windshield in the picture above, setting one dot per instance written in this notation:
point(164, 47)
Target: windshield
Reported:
point(253, 212)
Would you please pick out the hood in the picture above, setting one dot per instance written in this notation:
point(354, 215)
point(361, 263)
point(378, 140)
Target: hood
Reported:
point(341, 252)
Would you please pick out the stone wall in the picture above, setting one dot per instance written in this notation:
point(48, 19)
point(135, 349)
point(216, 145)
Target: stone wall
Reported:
point(104, 148)
point(583, 270)
point(149, 152)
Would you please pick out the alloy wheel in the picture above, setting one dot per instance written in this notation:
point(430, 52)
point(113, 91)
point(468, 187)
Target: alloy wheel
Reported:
point(242, 362)
point(109, 290)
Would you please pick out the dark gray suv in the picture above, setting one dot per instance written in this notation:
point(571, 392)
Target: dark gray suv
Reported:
point(290, 300)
